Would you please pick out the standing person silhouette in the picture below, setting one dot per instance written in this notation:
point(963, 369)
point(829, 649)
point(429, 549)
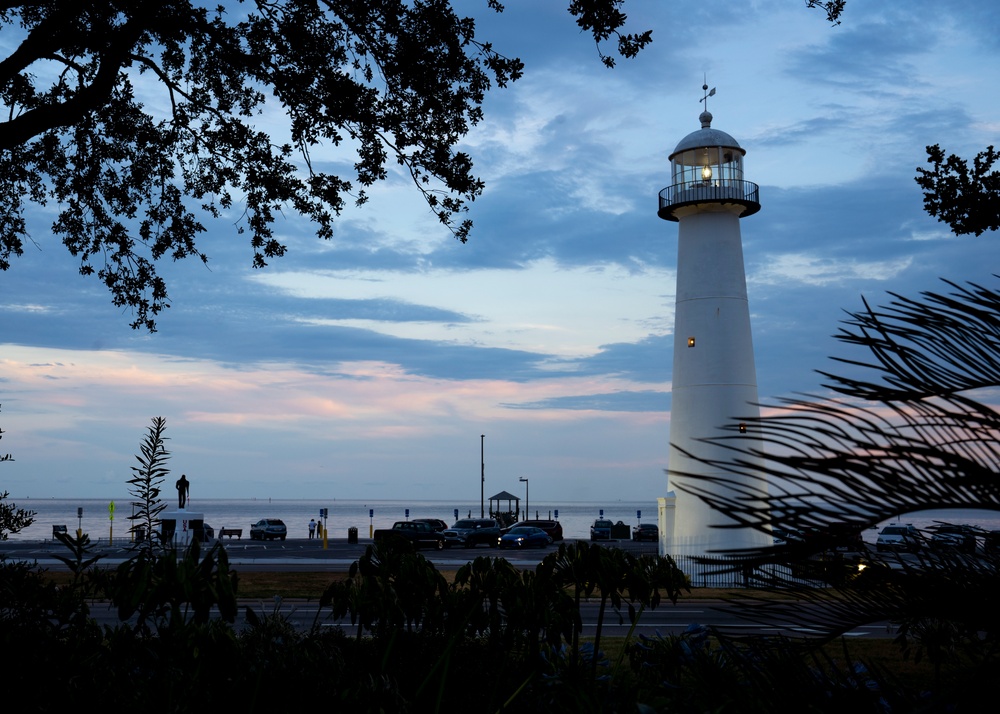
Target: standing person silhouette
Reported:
point(183, 488)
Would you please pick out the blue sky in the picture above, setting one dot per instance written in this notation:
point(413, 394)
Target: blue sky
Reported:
point(368, 366)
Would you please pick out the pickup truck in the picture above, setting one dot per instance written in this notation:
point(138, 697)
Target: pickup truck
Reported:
point(418, 533)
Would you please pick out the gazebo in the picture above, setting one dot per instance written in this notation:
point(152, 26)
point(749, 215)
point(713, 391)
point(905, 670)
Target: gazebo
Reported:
point(511, 515)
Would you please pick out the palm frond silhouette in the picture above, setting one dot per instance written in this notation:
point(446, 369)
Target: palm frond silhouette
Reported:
point(912, 431)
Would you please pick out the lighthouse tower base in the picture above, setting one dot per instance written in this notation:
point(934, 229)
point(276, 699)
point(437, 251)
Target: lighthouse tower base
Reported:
point(712, 557)
point(666, 507)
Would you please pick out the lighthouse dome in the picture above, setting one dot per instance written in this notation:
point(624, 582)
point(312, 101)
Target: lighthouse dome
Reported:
point(706, 136)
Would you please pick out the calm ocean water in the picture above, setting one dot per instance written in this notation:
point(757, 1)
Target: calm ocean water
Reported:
point(576, 517)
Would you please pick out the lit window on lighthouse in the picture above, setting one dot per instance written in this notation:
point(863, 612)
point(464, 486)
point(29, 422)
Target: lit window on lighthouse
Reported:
point(690, 342)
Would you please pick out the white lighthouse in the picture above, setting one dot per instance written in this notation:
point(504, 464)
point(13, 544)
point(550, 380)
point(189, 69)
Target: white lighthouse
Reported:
point(714, 378)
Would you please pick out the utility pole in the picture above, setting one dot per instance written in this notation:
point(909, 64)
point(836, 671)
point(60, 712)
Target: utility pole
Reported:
point(482, 474)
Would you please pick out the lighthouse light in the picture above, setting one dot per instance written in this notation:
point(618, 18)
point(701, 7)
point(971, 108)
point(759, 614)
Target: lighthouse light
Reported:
point(706, 173)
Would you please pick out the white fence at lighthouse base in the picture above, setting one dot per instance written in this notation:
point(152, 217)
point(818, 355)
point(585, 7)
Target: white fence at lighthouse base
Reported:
point(731, 573)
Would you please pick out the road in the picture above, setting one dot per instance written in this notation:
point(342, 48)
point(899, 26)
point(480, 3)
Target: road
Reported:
point(304, 555)
point(299, 554)
point(668, 619)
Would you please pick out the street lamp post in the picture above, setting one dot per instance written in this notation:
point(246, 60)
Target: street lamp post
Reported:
point(527, 513)
point(482, 473)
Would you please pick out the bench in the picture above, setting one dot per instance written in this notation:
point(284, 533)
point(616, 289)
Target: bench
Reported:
point(238, 532)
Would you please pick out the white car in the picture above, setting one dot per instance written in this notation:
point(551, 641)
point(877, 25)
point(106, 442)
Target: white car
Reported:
point(898, 537)
point(268, 529)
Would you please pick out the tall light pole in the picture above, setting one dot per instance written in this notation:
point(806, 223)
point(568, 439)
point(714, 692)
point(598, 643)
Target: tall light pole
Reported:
point(527, 514)
point(482, 473)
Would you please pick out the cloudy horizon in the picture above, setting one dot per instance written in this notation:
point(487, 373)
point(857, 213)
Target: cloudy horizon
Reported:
point(369, 366)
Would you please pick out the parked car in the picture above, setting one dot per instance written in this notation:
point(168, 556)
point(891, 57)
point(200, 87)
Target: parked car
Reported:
point(962, 538)
point(268, 529)
point(845, 537)
point(416, 533)
point(553, 528)
point(435, 523)
point(899, 538)
point(783, 536)
point(646, 531)
point(207, 533)
point(601, 530)
point(991, 542)
point(524, 537)
point(470, 532)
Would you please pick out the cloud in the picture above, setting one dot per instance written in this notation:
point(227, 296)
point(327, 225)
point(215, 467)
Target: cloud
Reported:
point(813, 270)
point(373, 361)
point(645, 401)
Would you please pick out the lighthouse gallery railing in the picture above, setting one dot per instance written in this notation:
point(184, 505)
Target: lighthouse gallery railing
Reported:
point(745, 193)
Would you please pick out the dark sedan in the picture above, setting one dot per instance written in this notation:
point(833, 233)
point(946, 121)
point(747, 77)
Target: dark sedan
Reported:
point(646, 531)
point(524, 537)
point(601, 530)
point(960, 538)
point(553, 528)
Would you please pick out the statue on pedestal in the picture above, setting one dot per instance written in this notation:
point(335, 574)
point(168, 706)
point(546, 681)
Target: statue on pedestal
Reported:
point(183, 488)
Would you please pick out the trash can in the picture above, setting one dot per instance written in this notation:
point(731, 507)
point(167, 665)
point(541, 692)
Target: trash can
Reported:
point(352, 535)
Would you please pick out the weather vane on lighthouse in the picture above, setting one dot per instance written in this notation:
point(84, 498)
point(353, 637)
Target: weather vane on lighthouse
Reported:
point(708, 94)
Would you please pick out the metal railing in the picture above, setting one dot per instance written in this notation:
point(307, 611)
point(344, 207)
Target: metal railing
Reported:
point(744, 193)
point(723, 572)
